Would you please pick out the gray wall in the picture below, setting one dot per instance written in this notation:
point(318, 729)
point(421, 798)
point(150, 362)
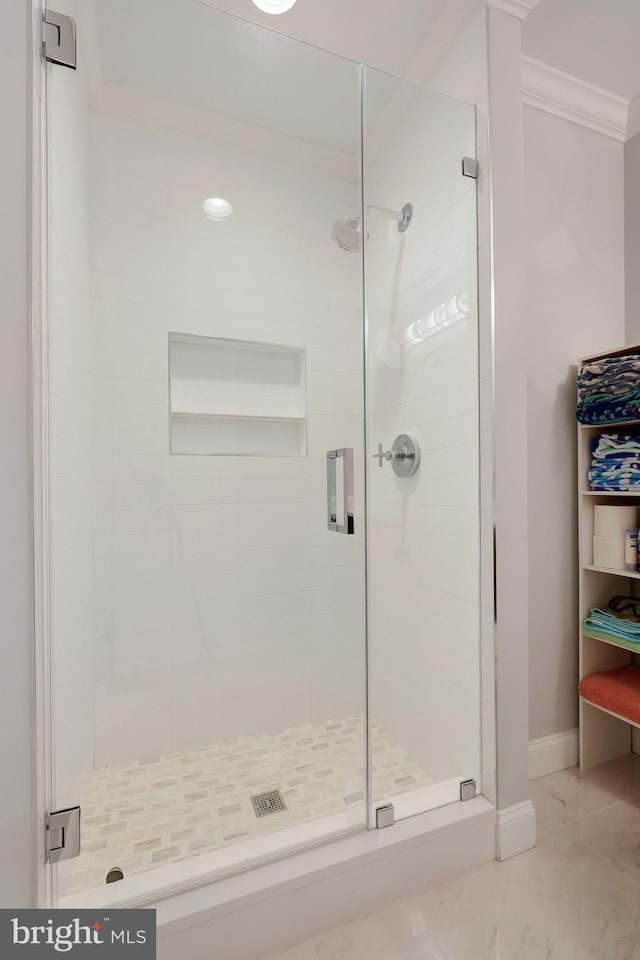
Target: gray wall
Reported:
point(632, 237)
point(574, 216)
point(16, 675)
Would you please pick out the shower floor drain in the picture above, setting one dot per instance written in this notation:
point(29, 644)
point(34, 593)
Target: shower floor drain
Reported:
point(271, 801)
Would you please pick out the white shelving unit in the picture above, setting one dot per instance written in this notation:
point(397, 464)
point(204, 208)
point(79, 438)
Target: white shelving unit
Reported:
point(603, 735)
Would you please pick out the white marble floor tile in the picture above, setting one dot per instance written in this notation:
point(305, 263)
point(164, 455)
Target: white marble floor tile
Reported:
point(563, 900)
point(626, 949)
point(576, 896)
point(614, 833)
point(570, 794)
point(302, 951)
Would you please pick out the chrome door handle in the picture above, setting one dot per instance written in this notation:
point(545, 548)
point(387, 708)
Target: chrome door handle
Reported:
point(347, 525)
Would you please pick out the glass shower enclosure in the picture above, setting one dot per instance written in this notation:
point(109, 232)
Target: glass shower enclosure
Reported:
point(263, 448)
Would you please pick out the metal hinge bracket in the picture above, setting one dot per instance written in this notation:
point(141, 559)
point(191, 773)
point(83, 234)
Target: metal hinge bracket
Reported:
point(59, 39)
point(468, 789)
point(63, 834)
point(470, 167)
point(385, 816)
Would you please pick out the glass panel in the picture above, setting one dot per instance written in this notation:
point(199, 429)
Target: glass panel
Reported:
point(422, 380)
point(208, 627)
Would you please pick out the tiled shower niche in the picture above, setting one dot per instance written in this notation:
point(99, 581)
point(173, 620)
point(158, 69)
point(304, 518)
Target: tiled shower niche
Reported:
point(236, 398)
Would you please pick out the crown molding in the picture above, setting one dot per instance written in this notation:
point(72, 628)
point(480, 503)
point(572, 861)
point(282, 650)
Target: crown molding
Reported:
point(565, 96)
point(633, 126)
point(517, 8)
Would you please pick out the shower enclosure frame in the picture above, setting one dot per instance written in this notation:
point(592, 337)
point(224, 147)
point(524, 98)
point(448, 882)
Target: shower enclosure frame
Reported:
point(368, 841)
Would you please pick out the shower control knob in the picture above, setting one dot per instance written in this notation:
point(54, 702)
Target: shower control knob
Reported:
point(404, 455)
point(382, 455)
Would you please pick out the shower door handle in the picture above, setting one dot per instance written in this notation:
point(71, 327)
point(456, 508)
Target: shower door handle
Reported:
point(346, 455)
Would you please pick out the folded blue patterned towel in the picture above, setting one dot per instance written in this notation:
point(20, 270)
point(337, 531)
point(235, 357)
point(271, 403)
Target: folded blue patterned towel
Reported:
point(607, 408)
point(618, 483)
point(613, 375)
point(613, 468)
point(615, 463)
point(609, 390)
point(615, 445)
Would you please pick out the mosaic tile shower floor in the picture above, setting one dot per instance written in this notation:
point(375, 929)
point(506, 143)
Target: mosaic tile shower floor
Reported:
point(143, 815)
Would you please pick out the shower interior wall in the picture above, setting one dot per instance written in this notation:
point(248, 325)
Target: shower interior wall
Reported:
point(221, 609)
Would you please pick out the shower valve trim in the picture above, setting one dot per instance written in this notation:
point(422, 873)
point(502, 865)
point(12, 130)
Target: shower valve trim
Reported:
point(404, 455)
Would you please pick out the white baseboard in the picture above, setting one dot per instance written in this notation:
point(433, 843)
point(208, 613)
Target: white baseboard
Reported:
point(515, 830)
point(550, 754)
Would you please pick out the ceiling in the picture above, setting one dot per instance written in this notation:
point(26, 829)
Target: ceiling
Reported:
point(597, 41)
point(192, 52)
point(386, 34)
point(187, 53)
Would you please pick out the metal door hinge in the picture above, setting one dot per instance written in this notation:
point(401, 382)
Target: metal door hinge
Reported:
point(63, 834)
point(468, 789)
point(469, 167)
point(59, 39)
point(385, 816)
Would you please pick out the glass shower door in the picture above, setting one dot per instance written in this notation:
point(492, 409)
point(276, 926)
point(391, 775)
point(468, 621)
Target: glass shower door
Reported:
point(422, 418)
point(205, 352)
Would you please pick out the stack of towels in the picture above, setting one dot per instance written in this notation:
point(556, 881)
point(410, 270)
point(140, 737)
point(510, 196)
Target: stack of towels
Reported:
point(615, 463)
point(620, 619)
point(609, 390)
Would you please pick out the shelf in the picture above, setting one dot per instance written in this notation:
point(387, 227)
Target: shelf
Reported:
point(605, 734)
point(618, 716)
point(193, 414)
point(220, 435)
point(603, 427)
point(612, 641)
point(236, 398)
point(629, 348)
point(630, 574)
point(609, 493)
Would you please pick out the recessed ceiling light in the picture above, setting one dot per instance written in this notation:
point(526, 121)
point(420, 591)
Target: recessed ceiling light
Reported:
point(274, 6)
point(216, 208)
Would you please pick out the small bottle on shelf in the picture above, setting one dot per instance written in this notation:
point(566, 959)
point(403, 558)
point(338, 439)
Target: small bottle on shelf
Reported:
point(631, 548)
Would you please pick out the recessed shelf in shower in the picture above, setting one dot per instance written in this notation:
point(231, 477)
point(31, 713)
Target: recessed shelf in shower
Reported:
point(236, 397)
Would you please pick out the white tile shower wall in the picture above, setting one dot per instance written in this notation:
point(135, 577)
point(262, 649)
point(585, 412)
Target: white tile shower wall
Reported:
point(69, 424)
point(223, 607)
point(424, 531)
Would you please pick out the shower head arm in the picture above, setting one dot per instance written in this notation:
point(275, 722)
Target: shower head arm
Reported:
point(402, 217)
point(385, 212)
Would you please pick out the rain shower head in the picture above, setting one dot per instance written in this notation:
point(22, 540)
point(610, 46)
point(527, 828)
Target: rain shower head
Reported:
point(346, 232)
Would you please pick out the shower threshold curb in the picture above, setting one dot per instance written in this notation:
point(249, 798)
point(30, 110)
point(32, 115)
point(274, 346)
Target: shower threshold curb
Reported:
point(271, 907)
